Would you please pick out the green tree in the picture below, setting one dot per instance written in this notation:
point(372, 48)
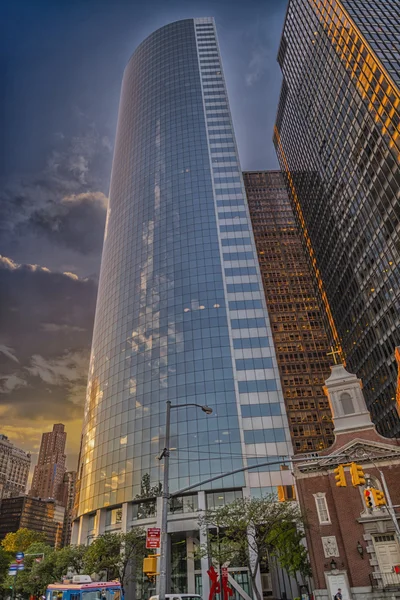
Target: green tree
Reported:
point(5, 560)
point(287, 544)
point(70, 559)
point(118, 554)
point(44, 565)
point(21, 540)
point(36, 576)
point(247, 531)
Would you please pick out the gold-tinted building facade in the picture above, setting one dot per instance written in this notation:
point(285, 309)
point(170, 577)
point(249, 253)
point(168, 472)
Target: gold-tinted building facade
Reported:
point(337, 137)
point(297, 324)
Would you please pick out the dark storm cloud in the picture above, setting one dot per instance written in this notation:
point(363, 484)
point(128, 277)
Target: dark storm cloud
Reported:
point(59, 214)
point(76, 222)
point(46, 324)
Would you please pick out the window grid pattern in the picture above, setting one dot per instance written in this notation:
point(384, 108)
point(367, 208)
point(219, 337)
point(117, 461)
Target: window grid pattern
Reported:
point(337, 137)
point(298, 331)
point(162, 327)
point(241, 272)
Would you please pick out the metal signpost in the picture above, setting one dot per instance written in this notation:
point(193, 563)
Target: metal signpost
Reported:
point(13, 569)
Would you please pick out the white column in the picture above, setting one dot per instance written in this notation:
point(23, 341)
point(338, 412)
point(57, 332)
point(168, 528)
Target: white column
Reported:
point(100, 523)
point(253, 557)
point(83, 529)
point(126, 517)
point(203, 542)
point(75, 532)
point(190, 564)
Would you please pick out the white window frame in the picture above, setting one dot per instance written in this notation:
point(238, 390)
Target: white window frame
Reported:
point(320, 497)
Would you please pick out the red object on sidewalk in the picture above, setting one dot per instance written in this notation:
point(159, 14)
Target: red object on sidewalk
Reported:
point(227, 591)
point(215, 586)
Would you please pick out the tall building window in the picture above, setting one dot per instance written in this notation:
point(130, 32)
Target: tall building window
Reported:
point(322, 508)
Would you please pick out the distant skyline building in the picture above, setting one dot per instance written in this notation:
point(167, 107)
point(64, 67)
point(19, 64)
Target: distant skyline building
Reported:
point(298, 328)
point(14, 469)
point(42, 516)
point(48, 474)
point(181, 312)
point(68, 500)
point(337, 137)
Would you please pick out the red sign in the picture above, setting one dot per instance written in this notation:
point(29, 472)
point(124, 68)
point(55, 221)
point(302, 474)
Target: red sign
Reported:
point(153, 538)
point(396, 569)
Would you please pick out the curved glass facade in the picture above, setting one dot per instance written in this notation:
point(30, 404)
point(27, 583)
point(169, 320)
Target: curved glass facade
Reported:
point(180, 314)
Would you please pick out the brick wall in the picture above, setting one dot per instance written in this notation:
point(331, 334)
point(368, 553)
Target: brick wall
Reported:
point(345, 507)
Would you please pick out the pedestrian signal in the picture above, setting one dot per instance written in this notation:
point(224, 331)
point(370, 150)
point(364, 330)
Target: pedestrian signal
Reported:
point(357, 474)
point(150, 566)
point(340, 476)
point(369, 503)
point(379, 497)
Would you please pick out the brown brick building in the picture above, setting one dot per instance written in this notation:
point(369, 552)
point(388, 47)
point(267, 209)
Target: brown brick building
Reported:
point(351, 546)
point(48, 475)
point(298, 328)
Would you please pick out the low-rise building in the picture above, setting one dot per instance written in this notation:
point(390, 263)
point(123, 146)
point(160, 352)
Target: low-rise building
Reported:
point(43, 516)
point(351, 546)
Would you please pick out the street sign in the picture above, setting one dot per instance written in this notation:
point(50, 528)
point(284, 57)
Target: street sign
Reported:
point(19, 556)
point(12, 572)
point(153, 538)
point(20, 568)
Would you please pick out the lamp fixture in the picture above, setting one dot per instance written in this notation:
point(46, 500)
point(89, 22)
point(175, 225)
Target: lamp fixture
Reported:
point(360, 550)
point(333, 564)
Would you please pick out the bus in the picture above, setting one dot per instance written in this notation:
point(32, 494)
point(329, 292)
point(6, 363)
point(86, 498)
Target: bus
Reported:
point(93, 590)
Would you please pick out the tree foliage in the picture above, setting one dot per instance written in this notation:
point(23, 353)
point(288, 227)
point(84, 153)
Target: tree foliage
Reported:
point(5, 561)
point(118, 554)
point(248, 530)
point(21, 540)
point(44, 565)
point(287, 543)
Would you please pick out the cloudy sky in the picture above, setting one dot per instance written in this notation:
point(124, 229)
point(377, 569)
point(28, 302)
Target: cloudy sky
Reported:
point(61, 66)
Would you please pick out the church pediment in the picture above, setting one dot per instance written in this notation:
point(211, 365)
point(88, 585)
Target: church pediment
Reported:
point(357, 450)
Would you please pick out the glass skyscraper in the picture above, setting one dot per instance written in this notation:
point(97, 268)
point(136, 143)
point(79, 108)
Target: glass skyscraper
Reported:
point(337, 137)
point(181, 314)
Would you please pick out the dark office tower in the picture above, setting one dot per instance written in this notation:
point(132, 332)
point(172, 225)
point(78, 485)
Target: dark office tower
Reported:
point(297, 325)
point(337, 137)
point(49, 472)
point(42, 516)
point(68, 502)
point(181, 313)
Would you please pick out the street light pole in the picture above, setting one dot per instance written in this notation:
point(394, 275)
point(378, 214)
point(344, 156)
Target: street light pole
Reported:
point(165, 496)
point(164, 511)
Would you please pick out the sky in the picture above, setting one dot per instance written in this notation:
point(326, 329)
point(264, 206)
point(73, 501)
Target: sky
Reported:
point(61, 68)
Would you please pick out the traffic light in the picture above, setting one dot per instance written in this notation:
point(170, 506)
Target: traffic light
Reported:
point(286, 493)
point(368, 498)
point(150, 565)
point(379, 497)
point(340, 476)
point(281, 493)
point(357, 474)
